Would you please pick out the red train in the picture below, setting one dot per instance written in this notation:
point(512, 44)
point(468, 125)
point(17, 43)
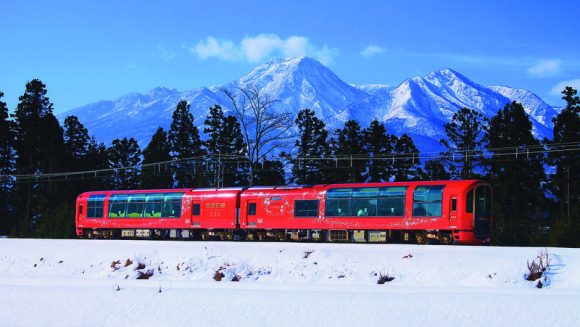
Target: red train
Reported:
point(449, 212)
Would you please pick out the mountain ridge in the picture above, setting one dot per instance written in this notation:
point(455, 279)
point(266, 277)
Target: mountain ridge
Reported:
point(418, 106)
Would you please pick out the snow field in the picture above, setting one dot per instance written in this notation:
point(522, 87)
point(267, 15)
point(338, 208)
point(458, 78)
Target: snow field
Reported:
point(90, 282)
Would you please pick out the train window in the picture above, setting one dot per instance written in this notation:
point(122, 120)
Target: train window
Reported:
point(118, 206)
point(171, 205)
point(95, 205)
point(251, 209)
point(469, 202)
point(306, 208)
point(135, 205)
point(366, 202)
point(427, 201)
point(453, 204)
point(338, 202)
point(337, 207)
point(153, 205)
point(391, 202)
point(196, 209)
point(339, 193)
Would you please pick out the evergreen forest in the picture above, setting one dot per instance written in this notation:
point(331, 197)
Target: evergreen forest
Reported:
point(44, 165)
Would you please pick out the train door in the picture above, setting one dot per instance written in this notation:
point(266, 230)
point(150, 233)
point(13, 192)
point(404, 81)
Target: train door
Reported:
point(452, 208)
point(482, 212)
point(195, 213)
point(251, 212)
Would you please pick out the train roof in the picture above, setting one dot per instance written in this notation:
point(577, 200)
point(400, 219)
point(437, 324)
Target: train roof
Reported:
point(253, 189)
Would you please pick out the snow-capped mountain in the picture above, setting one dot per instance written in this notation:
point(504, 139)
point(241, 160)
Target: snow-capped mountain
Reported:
point(418, 106)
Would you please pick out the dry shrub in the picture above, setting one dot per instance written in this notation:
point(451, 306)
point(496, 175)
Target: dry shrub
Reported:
point(128, 262)
point(384, 279)
point(145, 274)
point(140, 266)
point(218, 275)
point(115, 263)
point(236, 278)
point(537, 269)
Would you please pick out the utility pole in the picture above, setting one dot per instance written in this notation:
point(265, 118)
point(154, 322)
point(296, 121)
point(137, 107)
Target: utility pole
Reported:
point(568, 192)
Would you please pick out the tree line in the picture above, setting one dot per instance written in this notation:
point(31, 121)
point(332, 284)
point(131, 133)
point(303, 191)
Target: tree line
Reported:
point(245, 147)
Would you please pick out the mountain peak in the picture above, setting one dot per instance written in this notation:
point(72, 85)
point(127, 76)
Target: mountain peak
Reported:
point(446, 74)
point(161, 91)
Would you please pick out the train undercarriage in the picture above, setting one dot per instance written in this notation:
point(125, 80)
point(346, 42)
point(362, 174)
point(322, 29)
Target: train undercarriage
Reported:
point(304, 235)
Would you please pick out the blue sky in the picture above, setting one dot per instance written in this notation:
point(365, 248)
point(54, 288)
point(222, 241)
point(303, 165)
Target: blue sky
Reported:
point(87, 51)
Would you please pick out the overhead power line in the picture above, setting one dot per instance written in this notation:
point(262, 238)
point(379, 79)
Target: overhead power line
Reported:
point(211, 163)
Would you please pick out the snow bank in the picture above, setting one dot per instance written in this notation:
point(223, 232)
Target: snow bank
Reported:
point(122, 283)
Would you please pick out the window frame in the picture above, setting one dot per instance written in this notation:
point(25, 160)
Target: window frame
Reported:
point(371, 198)
point(427, 202)
point(252, 209)
point(196, 209)
point(93, 207)
point(172, 201)
point(309, 212)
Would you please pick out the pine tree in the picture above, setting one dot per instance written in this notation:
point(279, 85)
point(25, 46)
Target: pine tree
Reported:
point(565, 182)
point(96, 159)
point(76, 143)
point(349, 149)
point(464, 141)
point(124, 156)
point(379, 145)
point(40, 149)
point(185, 143)
point(157, 176)
point(235, 174)
point(7, 168)
point(406, 159)
point(518, 197)
point(225, 144)
point(312, 147)
point(76, 147)
point(269, 173)
point(435, 171)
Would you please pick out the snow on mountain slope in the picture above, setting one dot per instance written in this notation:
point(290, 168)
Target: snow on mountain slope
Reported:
point(305, 83)
point(418, 106)
point(139, 115)
point(540, 112)
point(94, 283)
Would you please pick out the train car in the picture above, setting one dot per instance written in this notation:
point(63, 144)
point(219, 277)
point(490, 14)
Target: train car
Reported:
point(174, 213)
point(424, 212)
point(446, 212)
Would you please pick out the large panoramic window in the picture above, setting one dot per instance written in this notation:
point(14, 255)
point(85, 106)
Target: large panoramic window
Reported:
point(427, 201)
point(392, 202)
point(172, 205)
point(155, 205)
point(338, 202)
point(118, 205)
point(95, 206)
point(135, 205)
point(366, 202)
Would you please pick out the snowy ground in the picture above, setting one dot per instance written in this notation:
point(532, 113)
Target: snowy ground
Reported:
point(94, 283)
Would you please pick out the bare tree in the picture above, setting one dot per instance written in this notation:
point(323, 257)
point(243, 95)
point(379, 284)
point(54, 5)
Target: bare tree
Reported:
point(263, 128)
